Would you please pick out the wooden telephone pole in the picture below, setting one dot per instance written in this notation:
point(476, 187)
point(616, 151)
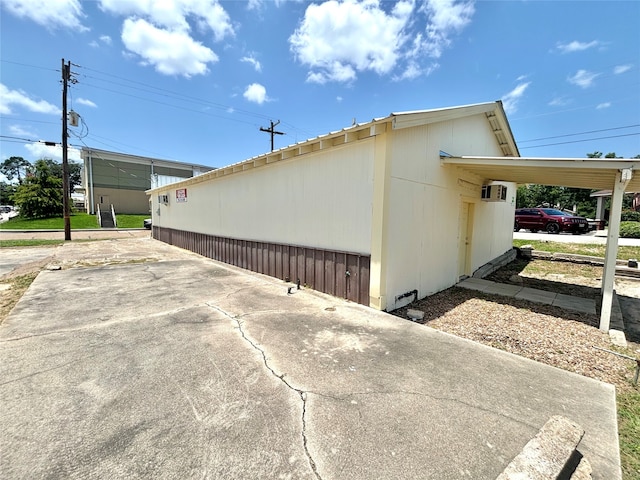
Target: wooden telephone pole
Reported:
point(66, 76)
point(272, 131)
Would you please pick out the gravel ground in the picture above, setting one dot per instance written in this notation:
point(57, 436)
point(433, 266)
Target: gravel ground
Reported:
point(560, 338)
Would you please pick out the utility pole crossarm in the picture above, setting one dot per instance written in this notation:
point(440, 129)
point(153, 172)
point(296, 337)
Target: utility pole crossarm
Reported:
point(272, 131)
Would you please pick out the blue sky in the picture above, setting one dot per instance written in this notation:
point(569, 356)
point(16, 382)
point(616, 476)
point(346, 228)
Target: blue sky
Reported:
point(195, 80)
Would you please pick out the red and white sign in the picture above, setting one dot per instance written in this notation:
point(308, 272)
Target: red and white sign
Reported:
point(181, 195)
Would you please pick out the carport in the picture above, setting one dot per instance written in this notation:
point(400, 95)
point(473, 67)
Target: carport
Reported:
point(616, 175)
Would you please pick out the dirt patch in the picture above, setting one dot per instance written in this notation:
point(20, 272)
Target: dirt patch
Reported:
point(544, 333)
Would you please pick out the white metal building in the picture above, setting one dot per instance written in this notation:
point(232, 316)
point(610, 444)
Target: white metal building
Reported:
point(119, 179)
point(368, 213)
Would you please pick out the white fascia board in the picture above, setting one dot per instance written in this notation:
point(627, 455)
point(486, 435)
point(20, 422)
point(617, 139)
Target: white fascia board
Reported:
point(425, 117)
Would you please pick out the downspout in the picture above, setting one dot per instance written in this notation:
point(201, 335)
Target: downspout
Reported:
point(623, 177)
point(92, 208)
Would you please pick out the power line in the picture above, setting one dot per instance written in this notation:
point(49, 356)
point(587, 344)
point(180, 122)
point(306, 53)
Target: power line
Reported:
point(579, 133)
point(166, 93)
point(28, 120)
point(180, 96)
point(581, 141)
point(30, 66)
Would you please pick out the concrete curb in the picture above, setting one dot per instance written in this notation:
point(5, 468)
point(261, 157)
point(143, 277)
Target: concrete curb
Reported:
point(552, 454)
point(498, 262)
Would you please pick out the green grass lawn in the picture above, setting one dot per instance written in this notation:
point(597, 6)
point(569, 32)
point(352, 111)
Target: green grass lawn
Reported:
point(79, 221)
point(629, 431)
point(29, 243)
point(624, 253)
point(131, 221)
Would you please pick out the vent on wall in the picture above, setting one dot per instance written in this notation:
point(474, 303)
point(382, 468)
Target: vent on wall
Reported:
point(163, 199)
point(494, 193)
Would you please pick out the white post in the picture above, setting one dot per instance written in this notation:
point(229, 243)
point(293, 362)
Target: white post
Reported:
point(600, 212)
point(622, 179)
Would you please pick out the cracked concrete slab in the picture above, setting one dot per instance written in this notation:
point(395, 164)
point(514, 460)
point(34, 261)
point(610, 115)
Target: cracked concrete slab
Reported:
point(185, 368)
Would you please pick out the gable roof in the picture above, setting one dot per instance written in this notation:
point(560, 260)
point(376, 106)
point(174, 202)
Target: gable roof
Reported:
point(493, 111)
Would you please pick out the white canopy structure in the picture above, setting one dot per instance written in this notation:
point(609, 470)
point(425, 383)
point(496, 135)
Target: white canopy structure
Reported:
point(616, 174)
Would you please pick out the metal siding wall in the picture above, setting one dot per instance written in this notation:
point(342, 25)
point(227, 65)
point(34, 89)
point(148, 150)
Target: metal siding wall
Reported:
point(322, 270)
point(298, 201)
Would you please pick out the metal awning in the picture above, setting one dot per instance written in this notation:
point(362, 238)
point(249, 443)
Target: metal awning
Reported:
point(616, 174)
point(592, 173)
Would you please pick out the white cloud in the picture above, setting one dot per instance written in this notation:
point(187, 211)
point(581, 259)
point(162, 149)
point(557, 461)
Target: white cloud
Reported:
point(50, 14)
point(9, 98)
point(105, 39)
point(173, 15)
point(253, 61)
point(88, 103)
point(256, 93)
point(560, 102)
point(583, 78)
point(603, 105)
point(336, 39)
point(339, 39)
point(622, 69)
point(445, 18)
point(258, 4)
point(576, 46)
point(171, 52)
point(511, 99)
point(339, 99)
point(21, 131)
point(40, 150)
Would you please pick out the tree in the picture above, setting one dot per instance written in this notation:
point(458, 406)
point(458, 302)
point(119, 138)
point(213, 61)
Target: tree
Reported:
point(74, 172)
point(15, 167)
point(6, 192)
point(40, 193)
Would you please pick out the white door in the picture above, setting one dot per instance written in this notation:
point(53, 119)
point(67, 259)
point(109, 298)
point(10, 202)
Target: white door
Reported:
point(464, 239)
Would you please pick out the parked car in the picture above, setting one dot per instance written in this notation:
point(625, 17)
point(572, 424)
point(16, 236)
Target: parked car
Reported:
point(549, 219)
point(147, 223)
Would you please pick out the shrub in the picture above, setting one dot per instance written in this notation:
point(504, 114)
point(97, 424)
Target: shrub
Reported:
point(630, 229)
point(630, 216)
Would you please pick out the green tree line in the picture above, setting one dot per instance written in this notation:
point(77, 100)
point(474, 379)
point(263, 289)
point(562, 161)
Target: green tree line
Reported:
point(36, 189)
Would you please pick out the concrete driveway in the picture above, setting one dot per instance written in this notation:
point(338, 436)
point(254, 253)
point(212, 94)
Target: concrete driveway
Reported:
point(164, 364)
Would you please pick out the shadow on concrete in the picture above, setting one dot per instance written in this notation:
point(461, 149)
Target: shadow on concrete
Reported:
point(504, 274)
point(630, 308)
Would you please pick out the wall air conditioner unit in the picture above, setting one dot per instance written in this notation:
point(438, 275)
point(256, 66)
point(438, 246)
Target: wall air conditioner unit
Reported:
point(494, 193)
point(163, 199)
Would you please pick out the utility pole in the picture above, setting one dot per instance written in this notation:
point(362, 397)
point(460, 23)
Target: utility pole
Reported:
point(66, 75)
point(272, 131)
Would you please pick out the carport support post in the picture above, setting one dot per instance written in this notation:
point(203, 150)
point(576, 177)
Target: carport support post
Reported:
point(622, 179)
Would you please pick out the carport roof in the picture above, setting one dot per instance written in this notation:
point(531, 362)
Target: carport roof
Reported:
point(591, 173)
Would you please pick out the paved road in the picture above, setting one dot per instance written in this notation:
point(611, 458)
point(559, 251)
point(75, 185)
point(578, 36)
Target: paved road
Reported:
point(140, 360)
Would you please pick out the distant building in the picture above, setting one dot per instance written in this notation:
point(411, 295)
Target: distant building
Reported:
point(118, 179)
